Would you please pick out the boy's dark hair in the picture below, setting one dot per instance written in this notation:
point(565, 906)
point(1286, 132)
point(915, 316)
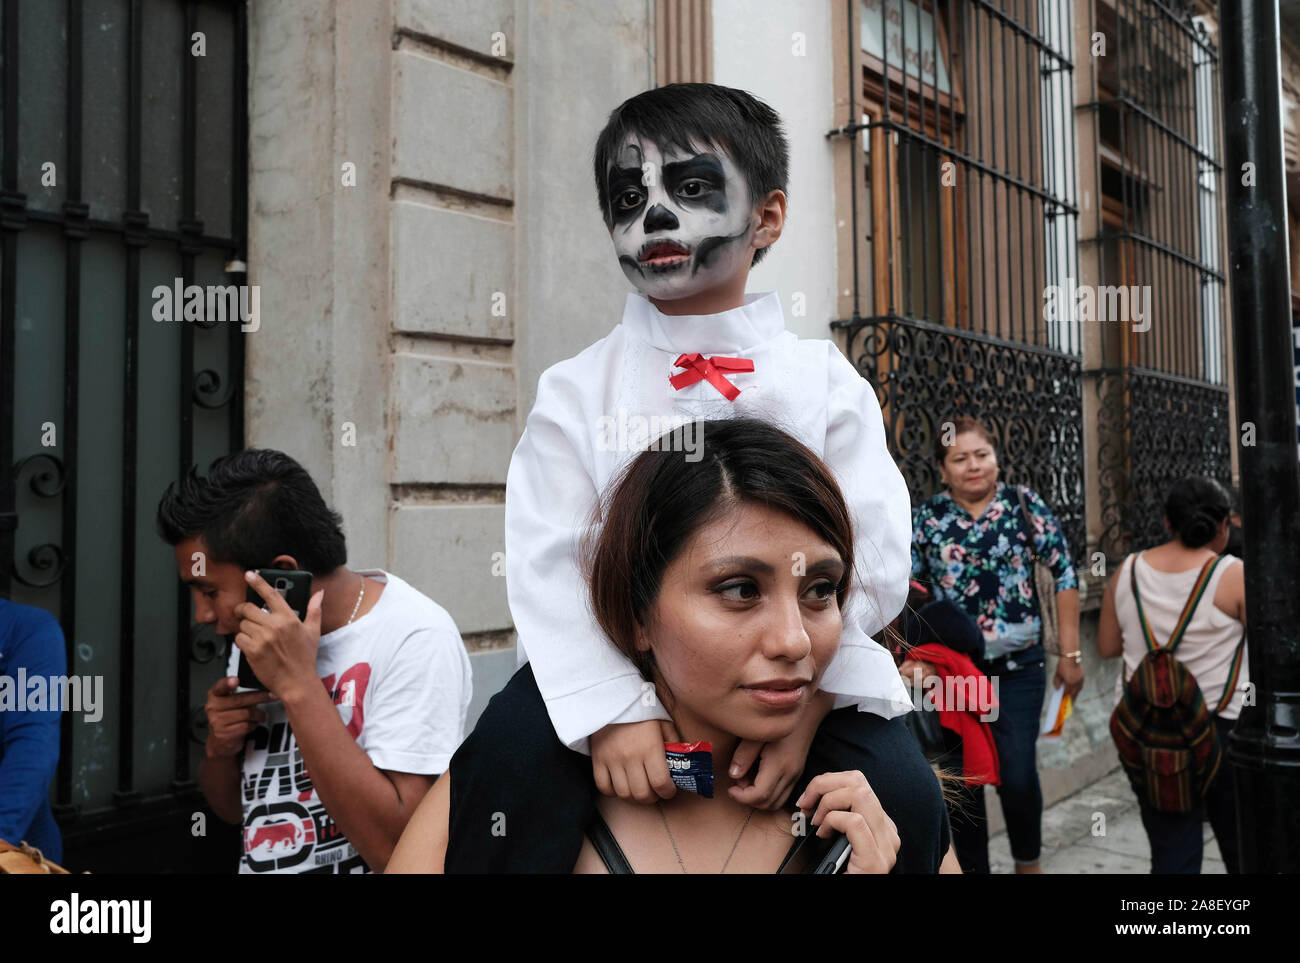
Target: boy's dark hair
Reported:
point(254, 505)
point(690, 116)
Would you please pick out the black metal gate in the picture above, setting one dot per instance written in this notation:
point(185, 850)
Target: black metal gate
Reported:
point(124, 173)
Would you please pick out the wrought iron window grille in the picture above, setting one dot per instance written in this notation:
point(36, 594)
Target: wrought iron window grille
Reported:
point(970, 212)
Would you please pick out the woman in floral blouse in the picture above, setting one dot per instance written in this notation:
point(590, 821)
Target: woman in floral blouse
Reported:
point(970, 544)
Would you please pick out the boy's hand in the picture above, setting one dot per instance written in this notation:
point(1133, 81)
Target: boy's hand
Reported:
point(231, 716)
point(780, 763)
point(280, 649)
point(628, 761)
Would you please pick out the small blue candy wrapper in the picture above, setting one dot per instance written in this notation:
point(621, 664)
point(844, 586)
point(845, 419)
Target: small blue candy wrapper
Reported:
point(691, 766)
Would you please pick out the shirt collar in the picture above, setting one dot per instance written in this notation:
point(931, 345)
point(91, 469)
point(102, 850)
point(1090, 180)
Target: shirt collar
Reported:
point(758, 320)
point(999, 495)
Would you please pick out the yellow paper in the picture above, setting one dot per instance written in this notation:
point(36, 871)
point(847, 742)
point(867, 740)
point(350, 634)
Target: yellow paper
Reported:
point(1058, 710)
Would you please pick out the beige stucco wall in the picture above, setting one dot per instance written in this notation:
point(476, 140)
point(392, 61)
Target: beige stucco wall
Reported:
point(421, 305)
point(780, 51)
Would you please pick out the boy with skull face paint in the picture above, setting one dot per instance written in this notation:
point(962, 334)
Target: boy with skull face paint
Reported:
point(691, 183)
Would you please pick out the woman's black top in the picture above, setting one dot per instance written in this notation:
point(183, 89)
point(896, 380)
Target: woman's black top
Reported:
point(521, 800)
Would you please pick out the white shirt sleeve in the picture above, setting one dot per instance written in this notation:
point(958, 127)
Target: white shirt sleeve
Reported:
point(863, 671)
point(415, 711)
point(550, 494)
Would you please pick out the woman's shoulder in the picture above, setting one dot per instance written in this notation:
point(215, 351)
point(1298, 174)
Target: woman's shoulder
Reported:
point(513, 763)
point(1033, 500)
point(936, 504)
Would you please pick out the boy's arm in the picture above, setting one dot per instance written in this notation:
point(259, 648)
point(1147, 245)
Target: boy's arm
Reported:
point(550, 494)
point(219, 778)
point(231, 716)
point(877, 497)
point(411, 719)
point(370, 806)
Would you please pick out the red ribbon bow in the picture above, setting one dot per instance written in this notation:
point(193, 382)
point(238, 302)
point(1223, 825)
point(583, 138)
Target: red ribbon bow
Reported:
point(700, 368)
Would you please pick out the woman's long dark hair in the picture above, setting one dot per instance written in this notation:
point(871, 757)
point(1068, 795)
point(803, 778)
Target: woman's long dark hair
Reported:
point(662, 498)
point(1195, 508)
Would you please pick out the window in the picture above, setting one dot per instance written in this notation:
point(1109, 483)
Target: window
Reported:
point(964, 180)
point(1161, 369)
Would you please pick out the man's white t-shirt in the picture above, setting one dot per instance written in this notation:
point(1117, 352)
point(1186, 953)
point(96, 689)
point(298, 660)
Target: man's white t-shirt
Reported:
point(400, 678)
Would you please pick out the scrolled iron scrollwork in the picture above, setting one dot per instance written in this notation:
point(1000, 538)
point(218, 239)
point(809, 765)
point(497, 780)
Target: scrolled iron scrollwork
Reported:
point(47, 483)
point(1153, 430)
point(47, 558)
point(1031, 398)
point(206, 643)
point(208, 391)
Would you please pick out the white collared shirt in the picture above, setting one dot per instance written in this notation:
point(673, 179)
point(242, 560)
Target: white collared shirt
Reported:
point(565, 458)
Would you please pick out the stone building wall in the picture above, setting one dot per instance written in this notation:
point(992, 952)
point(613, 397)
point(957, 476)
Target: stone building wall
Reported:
point(424, 230)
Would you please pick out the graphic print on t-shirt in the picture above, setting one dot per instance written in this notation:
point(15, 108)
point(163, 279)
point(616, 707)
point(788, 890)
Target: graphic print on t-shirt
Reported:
point(286, 827)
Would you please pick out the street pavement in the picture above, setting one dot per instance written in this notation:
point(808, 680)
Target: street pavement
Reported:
point(1096, 830)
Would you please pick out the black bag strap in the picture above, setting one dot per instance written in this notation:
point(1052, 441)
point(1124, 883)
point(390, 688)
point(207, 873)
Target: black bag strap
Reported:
point(607, 848)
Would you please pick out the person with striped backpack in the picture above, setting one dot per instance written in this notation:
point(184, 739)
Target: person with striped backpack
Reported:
point(1177, 615)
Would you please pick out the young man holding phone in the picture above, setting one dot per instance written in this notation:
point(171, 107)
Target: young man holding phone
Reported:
point(366, 697)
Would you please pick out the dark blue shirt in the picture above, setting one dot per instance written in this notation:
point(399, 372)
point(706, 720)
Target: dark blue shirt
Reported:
point(30, 638)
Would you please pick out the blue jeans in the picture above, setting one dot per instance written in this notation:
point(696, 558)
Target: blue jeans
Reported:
point(1022, 683)
point(1177, 841)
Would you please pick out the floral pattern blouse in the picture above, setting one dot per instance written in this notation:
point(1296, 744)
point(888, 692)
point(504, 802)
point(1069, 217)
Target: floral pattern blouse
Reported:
point(984, 564)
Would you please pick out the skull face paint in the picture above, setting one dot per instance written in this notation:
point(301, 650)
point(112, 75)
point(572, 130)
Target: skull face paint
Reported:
point(681, 221)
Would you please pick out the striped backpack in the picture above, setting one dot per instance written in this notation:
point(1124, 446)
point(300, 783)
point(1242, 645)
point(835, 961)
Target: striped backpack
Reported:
point(1167, 741)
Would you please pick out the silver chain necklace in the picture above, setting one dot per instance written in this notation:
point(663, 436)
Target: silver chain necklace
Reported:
point(360, 596)
point(659, 806)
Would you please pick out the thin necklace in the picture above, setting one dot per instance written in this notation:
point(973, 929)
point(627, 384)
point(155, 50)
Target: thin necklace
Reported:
point(358, 605)
point(660, 807)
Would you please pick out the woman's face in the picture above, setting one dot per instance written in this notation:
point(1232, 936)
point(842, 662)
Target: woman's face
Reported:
point(970, 469)
point(744, 625)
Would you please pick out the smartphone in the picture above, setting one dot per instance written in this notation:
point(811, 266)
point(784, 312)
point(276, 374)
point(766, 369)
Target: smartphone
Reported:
point(836, 856)
point(823, 856)
point(296, 589)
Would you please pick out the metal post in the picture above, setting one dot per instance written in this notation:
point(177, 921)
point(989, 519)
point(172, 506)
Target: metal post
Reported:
point(1265, 746)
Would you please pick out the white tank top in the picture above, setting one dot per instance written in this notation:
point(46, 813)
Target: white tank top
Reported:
point(1208, 644)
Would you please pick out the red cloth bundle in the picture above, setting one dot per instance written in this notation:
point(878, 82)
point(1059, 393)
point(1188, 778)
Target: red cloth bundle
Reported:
point(979, 752)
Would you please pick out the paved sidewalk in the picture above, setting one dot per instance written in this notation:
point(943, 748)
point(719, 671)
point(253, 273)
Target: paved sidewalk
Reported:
point(1119, 846)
